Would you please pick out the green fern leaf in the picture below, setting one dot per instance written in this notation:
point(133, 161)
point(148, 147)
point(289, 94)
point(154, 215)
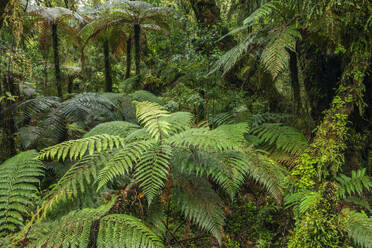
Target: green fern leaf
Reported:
point(78, 148)
point(114, 128)
point(74, 229)
point(19, 177)
point(359, 227)
point(120, 230)
point(152, 170)
point(200, 203)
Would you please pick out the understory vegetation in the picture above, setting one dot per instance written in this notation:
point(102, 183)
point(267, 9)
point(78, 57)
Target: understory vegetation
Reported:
point(185, 123)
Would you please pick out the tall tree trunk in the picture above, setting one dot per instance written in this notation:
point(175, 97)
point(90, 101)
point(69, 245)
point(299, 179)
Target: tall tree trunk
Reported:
point(293, 69)
point(137, 47)
point(129, 58)
point(108, 77)
point(56, 60)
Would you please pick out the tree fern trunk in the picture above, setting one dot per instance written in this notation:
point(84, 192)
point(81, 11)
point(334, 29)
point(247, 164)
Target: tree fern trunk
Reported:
point(293, 69)
point(108, 77)
point(129, 58)
point(137, 47)
point(8, 143)
point(70, 84)
point(56, 60)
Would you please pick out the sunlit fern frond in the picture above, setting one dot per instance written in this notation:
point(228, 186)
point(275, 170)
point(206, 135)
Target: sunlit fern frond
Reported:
point(19, 179)
point(122, 161)
point(204, 139)
point(359, 227)
point(280, 137)
point(115, 128)
point(53, 14)
point(200, 203)
point(149, 114)
point(275, 56)
point(74, 229)
point(180, 121)
point(73, 149)
point(354, 184)
point(152, 170)
point(121, 230)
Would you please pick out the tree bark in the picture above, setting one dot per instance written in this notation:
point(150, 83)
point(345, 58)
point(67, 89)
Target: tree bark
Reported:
point(137, 47)
point(108, 77)
point(129, 58)
point(56, 60)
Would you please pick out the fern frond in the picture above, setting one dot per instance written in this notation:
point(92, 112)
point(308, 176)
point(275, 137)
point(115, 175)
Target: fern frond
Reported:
point(359, 227)
point(200, 203)
point(264, 11)
point(19, 178)
point(203, 139)
point(78, 148)
point(144, 96)
point(122, 161)
point(267, 173)
point(354, 184)
point(73, 183)
point(180, 121)
point(149, 114)
point(222, 118)
point(231, 175)
point(275, 56)
point(74, 229)
point(259, 119)
point(120, 230)
point(281, 137)
point(152, 170)
point(115, 128)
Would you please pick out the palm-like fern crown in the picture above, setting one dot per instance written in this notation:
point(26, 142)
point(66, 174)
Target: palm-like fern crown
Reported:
point(115, 19)
point(163, 159)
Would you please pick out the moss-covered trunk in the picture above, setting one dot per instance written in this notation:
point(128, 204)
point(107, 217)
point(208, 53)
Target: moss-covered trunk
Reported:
point(108, 76)
point(56, 60)
point(129, 58)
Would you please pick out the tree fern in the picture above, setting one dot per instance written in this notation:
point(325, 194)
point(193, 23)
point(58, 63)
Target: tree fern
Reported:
point(281, 137)
point(149, 114)
point(144, 96)
point(354, 184)
point(200, 203)
point(115, 128)
point(275, 56)
point(152, 170)
point(359, 227)
point(19, 177)
point(120, 230)
point(262, 12)
point(74, 229)
point(78, 148)
point(122, 161)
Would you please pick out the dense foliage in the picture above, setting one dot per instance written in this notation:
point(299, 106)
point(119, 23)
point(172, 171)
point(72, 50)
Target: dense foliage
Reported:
point(185, 123)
